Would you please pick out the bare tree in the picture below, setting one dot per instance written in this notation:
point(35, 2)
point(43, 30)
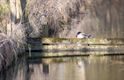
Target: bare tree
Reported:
point(15, 29)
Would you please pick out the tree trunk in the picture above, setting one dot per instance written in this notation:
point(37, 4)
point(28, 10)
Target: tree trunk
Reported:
point(16, 14)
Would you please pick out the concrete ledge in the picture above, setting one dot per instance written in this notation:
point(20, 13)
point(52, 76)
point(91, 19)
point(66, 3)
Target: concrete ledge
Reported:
point(48, 47)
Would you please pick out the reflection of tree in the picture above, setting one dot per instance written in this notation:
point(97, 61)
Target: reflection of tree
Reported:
point(45, 68)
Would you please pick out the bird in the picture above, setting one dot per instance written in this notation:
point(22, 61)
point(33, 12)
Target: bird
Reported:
point(83, 35)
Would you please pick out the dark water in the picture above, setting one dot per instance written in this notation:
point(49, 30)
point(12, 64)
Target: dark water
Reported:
point(67, 68)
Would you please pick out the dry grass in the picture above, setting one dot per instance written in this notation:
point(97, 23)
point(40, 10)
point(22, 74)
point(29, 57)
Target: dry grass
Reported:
point(58, 18)
point(12, 44)
point(19, 36)
point(8, 50)
point(51, 17)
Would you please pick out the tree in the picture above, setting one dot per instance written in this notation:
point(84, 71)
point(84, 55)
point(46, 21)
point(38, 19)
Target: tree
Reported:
point(16, 14)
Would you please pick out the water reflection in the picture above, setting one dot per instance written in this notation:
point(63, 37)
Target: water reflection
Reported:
point(45, 68)
point(16, 71)
point(74, 68)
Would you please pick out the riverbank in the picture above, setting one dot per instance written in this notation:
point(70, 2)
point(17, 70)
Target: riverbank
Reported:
point(9, 50)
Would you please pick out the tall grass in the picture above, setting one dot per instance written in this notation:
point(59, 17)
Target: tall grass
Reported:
point(13, 44)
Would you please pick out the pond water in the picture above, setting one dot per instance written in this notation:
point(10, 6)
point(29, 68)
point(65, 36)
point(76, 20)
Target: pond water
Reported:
point(67, 68)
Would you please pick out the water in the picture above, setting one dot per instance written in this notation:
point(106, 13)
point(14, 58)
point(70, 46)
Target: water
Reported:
point(67, 68)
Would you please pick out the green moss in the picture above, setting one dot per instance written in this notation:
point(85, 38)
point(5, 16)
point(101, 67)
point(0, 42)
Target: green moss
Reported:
point(75, 40)
point(4, 9)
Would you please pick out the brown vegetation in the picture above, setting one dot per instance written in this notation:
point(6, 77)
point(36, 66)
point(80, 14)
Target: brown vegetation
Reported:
point(64, 18)
point(52, 17)
point(7, 50)
point(12, 35)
